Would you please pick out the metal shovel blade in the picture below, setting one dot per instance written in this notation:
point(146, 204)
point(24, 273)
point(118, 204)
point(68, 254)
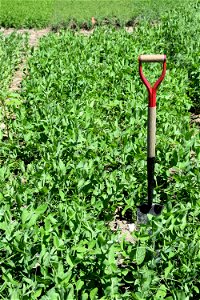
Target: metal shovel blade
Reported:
point(144, 209)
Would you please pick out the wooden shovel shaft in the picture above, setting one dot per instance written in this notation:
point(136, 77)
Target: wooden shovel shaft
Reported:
point(151, 132)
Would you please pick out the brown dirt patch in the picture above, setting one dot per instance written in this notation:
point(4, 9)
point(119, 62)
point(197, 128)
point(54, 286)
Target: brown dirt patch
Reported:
point(86, 32)
point(125, 229)
point(195, 118)
point(123, 226)
point(18, 76)
point(34, 34)
point(130, 29)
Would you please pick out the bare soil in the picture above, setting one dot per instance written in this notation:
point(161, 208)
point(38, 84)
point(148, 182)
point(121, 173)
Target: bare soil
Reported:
point(124, 228)
point(34, 34)
point(123, 225)
point(195, 118)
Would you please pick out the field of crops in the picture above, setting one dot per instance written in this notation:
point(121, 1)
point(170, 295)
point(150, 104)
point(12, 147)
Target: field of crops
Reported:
point(68, 13)
point(74, 153)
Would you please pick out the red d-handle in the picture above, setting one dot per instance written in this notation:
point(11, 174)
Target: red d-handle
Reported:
point(152, 90)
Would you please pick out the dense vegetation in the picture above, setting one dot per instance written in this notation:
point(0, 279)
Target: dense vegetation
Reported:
point(74, 13)
point(25, 13)
point(76, 151)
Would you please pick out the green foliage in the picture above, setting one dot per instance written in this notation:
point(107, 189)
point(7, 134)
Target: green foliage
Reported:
point(68, 13)
point(26, 13)
point(77, 150)
point(194, 83)
point(182, 40)
point(11, 48)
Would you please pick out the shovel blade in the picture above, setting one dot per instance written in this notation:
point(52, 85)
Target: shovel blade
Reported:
point(145, 209)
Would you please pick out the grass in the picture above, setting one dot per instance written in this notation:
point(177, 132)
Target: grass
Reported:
point(41, 13)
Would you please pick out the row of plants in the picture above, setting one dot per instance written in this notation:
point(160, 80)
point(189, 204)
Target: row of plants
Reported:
point(11, 50)
point(76, 152)
point(182, 40)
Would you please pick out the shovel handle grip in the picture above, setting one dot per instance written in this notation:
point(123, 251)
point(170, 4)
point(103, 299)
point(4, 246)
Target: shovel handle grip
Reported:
point(152, 89)
point(152, 58)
